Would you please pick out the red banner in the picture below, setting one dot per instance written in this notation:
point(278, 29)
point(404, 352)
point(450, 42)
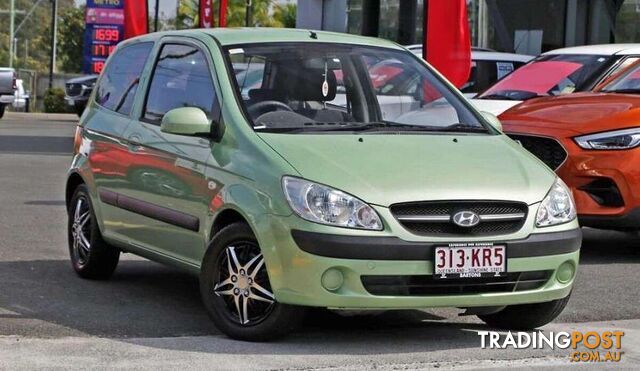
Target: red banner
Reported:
point(447, 39)
point(135, 18)
point(206, 13)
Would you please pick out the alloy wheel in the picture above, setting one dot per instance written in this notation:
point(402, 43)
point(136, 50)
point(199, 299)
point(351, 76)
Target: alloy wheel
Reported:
point(242, 283)
point(81, 231)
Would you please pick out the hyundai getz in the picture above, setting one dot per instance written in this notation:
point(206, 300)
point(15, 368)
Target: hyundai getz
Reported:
point(314, 186)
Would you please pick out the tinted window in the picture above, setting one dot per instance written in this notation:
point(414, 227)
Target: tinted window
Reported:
point(181, 78)
point(120, 78)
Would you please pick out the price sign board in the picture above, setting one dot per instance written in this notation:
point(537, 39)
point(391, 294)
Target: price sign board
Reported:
point(104, 29)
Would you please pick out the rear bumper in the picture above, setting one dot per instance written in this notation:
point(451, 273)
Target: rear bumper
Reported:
point(6, 98)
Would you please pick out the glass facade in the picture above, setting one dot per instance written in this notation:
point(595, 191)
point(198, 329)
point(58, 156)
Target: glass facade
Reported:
point(522, 26)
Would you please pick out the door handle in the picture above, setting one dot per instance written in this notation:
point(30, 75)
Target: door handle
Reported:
point(133, 143)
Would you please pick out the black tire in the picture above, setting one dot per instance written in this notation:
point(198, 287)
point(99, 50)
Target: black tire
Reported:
point(1, 110)
point(270, 320)
point(99, 259)
point(525, 316)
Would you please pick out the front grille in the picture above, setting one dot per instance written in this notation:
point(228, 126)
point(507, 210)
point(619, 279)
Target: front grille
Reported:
point(546, 149)
point(427, 285)
point(73, 90)
point(434, 218)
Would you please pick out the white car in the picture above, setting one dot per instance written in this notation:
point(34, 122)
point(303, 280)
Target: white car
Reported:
point(558, 72)
point(487, 67)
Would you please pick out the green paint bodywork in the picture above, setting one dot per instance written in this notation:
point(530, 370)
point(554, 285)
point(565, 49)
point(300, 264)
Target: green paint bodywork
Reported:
point(242, 173)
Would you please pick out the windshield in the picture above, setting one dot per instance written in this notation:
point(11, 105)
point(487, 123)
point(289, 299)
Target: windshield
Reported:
point(317, 87)
point(549, 75)
point(627, 82)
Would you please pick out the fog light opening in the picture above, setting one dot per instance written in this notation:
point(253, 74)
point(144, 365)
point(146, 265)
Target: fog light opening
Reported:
point(565, 272)
point(332, 279)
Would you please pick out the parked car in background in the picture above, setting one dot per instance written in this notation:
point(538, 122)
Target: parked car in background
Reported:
point(7, 88)
point(21, 97)
point(281, 200)
point(487, 67)
point(558, 72)
point(78, 90)
point(591, 140)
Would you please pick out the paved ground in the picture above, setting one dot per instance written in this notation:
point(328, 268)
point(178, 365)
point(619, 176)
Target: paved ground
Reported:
point(150, 316)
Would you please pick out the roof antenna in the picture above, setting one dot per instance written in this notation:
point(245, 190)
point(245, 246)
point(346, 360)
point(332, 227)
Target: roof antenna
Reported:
point(313, 35)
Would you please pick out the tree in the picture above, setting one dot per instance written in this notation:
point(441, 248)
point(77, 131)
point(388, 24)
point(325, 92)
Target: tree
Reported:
point(34, 37)
point(71, 39)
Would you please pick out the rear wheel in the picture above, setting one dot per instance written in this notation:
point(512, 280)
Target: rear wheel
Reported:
point(91, 256)
point(525, 316)
point(236, 291)
point(1, 110)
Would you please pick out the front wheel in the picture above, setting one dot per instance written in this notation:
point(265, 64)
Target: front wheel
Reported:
point(525, 316)
point(236, 291)
point(1, 110)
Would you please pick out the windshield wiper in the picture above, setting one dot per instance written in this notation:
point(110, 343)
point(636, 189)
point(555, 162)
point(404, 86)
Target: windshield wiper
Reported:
point(623, 91)
point(497, 96)
point(460, 128)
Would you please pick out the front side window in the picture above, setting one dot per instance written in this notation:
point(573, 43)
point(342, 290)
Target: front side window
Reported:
point(318, 87)
point(181, 78)
point(121, 77)
point(549, 75)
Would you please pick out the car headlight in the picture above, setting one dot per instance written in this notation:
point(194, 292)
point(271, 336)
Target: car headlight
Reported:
point(557, 207)
point(617, 139)
point(321, 204)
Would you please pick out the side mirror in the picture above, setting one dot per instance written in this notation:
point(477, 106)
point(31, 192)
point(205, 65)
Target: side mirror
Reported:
point(493, 120)
point(186, 121)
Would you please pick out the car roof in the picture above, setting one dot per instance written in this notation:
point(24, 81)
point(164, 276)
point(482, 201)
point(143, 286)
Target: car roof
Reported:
point(602, 49)
point(480, 54)
point(243, 35)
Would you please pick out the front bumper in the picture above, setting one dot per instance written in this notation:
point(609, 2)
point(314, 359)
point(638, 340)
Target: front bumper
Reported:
point(305, 265)
point(605, 184)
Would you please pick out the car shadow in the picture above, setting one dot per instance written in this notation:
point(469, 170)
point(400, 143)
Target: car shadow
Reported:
point(605, 247)
point(146, 300)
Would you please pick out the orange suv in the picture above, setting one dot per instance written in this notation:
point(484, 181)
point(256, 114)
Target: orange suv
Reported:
point(591, 140)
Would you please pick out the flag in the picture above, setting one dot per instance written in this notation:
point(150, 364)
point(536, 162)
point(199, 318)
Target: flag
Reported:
point(135, 18)
point(447, 41)
point(206, 14)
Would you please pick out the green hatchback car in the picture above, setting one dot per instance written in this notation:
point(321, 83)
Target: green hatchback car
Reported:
point(293, 169)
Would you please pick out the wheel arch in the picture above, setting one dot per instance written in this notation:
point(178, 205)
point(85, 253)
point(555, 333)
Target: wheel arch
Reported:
point(73, 181)
point(227, 217)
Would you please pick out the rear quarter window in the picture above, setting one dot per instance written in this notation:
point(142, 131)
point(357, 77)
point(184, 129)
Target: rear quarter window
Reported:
point(119, 83)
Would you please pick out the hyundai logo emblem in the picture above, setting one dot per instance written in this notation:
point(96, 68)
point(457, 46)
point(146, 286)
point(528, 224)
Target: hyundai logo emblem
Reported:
point(466, 219)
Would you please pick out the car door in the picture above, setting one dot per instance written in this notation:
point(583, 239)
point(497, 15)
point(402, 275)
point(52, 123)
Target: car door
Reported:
point(109, 155)
point(169, 186)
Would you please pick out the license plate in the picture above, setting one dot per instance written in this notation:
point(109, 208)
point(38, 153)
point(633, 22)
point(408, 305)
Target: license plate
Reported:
point(471, 260)
point(70, 102)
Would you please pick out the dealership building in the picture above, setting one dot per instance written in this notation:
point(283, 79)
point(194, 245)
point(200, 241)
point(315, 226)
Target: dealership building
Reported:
point(521, 26)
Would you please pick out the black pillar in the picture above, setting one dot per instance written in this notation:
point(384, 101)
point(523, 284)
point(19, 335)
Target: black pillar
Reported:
point(407, 22)
point(370, 17)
